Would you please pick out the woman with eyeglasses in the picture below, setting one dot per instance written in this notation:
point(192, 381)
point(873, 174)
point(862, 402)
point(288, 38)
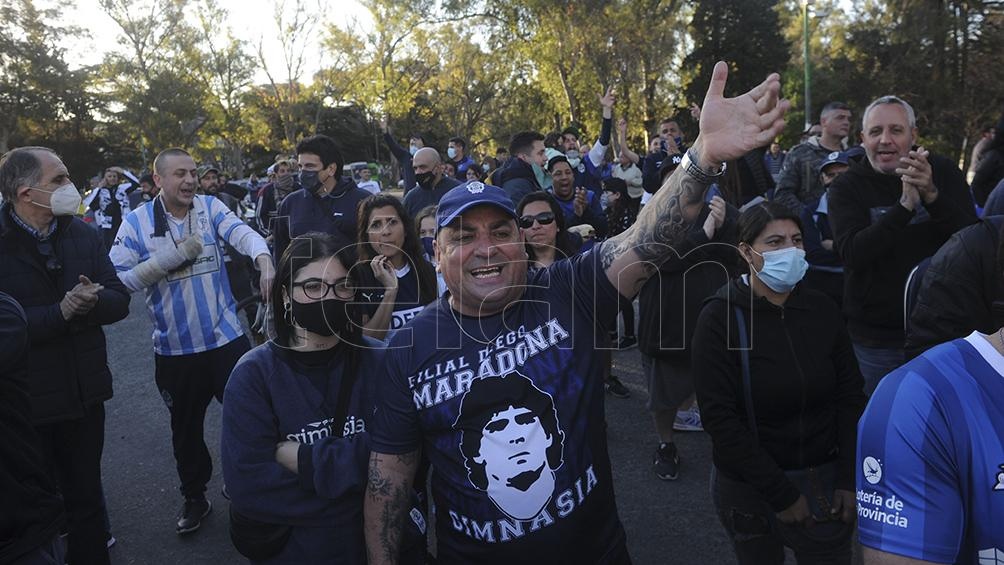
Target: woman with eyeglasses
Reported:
point(543, 225)
point(294, 443)
point(780, 394)
point(404, 282)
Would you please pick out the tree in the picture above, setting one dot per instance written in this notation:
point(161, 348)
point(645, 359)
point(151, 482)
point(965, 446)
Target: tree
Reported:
point(154, 98)
point(224, 70)
point(38, 91)
point(745, 34)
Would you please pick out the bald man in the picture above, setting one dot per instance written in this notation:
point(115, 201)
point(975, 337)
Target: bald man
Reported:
point(432, 184)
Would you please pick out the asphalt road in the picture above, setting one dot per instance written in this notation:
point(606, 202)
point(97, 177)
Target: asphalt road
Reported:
point(666, 522)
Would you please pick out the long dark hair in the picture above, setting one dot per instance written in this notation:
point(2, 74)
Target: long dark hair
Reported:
point(413, 252)
point(301, 252)
point(563, 240)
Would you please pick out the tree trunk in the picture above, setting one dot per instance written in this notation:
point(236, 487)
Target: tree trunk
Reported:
point(573, 103)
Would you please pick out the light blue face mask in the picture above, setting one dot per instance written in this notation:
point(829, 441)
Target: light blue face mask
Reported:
point(451, 153)
point(783, 268)
point(574, 158)
point(412, 149)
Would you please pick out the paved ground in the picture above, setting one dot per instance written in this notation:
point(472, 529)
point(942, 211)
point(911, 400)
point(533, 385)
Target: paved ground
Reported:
point(666, 522)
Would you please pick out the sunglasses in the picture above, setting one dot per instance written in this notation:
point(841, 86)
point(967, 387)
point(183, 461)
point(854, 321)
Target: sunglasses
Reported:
point(544, 218)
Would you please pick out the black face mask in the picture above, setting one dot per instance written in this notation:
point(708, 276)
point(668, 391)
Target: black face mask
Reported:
point(425, 179)
point(311, 182)
point(324, 317)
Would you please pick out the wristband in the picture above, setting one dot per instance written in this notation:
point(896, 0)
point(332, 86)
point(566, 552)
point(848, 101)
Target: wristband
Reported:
point(693, 168)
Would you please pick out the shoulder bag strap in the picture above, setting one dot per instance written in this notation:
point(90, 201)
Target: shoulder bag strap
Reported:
point(744, 357)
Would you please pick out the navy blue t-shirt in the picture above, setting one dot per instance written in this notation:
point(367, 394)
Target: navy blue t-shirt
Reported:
point(407, 305)
point(509, 410)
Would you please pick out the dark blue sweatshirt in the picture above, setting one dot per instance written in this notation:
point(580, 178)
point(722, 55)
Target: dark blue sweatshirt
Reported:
point(303, 212)
point(274, 395)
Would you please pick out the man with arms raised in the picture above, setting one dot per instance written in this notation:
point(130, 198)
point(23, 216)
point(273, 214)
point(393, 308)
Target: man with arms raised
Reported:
point(499, 323)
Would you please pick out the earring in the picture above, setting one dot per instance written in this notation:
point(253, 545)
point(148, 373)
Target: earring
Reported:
point(288, 314)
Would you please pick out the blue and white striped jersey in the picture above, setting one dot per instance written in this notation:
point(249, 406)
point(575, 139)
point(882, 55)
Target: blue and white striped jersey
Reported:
point(930, 481)
point(192, 308)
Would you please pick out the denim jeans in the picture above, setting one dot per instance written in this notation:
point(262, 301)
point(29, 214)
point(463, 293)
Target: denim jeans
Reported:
point(877, 362)
point(748, 521)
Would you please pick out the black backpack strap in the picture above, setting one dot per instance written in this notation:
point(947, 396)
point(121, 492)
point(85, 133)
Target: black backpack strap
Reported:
point(744, 358)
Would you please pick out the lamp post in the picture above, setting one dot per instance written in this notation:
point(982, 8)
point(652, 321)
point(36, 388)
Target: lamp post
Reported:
point(808, 67)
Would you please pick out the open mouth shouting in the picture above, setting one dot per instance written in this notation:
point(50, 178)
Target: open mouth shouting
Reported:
point(487, 273)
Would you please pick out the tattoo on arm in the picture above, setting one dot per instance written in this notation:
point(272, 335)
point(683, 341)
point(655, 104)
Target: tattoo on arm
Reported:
point(388, 497)
point(662, 224)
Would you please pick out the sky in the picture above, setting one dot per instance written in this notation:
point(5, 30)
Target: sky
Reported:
point(249, 19)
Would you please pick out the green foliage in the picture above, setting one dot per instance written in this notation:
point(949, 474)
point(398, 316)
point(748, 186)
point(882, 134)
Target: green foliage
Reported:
point(176, 74)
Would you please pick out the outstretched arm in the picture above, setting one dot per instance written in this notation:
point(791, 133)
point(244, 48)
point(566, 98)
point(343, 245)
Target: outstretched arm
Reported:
point(388, 497)
point(730, 127)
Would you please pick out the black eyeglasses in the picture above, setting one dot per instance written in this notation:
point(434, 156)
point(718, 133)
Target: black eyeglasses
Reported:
point(52, 263)
point(316, 289)
point(544, 218)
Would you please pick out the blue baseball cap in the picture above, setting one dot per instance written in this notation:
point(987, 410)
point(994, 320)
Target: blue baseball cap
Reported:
point(835, 157)
point(468, 195)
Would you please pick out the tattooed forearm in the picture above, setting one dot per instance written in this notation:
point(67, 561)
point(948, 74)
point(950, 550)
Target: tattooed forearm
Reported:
point(386, 504)
point(662, 224)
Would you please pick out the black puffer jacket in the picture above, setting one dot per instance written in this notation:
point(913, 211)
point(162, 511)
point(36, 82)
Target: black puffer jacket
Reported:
point(67, 360)
point(807, 389)
point(962, 291)
point(32, 511)
point(517, 180)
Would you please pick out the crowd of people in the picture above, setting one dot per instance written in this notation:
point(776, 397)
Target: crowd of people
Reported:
point(830, 315)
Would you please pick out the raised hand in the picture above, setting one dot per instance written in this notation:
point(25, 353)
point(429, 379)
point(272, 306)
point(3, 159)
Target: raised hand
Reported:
point(731, 127)
point(579, 205)
point(716, 217)
point(384, 272)
point(607, 100)
point(915, 170)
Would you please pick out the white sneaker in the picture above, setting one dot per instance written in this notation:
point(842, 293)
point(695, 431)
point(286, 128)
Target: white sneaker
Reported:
point(688, 421)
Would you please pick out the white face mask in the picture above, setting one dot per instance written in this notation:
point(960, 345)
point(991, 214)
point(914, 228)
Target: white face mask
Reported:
point(65, 200)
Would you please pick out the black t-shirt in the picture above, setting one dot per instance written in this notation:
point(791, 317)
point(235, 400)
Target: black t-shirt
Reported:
point(509, 410)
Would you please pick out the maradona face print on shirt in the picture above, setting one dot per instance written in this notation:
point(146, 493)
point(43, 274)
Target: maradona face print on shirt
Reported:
point(511, 443)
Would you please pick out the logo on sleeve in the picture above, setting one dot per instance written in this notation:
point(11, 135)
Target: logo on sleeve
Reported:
point(1000, 478)
point(872, 470)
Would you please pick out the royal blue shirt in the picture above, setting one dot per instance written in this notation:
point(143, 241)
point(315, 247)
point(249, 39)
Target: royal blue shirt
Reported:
point(509, 409)
point(930, 482)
